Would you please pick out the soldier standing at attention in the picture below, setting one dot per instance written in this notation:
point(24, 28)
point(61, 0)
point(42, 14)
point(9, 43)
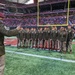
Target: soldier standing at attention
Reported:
point(44, 38)
point(49, 38)
point(25, 36)
point(40, 37)
point(21, 39)
point(69, 39)
point(54, 37)
point(36, 38)
point(33, 35)
point(47, 31)
point(31, 42)
point(28, 38)
point(62, 35)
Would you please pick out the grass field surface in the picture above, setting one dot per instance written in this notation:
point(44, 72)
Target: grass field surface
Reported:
point(24, 65)
point(45, 52)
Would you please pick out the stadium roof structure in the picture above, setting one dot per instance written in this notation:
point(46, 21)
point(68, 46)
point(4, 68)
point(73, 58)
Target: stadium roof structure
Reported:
point(22, 1)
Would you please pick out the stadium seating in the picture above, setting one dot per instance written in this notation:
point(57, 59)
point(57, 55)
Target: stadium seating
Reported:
point(43, 20)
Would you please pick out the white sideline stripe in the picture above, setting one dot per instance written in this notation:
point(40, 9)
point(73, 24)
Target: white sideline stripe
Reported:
point(39, 56)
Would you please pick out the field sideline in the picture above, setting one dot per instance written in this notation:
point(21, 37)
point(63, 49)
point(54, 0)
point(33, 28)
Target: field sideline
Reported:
point(39, 56)
point(44, 52)
point(25, 65)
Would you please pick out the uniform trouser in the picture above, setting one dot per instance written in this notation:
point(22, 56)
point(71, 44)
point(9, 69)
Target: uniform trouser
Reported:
point(46, 44)
point(2, 64)
point(20, 43)
point(27, 43)
point(62, 45)
point(36, 43)
point(69, 45)
point(40, 43)
point(49, 43)
point(43, 41)
point(33, 43)
point(54, 44)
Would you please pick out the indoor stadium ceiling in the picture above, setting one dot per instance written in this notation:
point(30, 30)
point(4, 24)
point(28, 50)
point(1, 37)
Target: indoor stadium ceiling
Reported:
point(24, 1)
point(19, 1)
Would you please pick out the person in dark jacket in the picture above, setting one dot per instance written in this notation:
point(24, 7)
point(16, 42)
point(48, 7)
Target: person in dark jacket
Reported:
point(28, 37)
point(62, 36)
point(5, 32)
point(31, 41)
point(20, 38)
point(40, 37)
point(54, 35)
point(70, 37)
point(44, 37)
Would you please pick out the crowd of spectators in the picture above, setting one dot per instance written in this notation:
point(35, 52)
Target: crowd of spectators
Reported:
point(72, 19)
point(43, 20)
point(13, 22)
point(53, 20)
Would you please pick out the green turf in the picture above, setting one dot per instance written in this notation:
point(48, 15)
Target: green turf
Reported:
point(44, 52)
point(11, 37)
point(25, 65)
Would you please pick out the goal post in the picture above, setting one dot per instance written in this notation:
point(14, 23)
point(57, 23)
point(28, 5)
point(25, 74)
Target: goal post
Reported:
point(38, 16)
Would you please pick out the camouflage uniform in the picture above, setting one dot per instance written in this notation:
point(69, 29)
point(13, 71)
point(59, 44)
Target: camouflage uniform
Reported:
point(36, 39)
point(69, 39)
point(46, 35)
point(33, 36)
point(20, 39)
point(54, 37)
point(28, 36)
point(62, 38)
point(49, 39)
point(44, 38)
point(40, 37)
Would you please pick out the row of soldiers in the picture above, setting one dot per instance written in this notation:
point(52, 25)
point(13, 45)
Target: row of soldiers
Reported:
point(47, 38)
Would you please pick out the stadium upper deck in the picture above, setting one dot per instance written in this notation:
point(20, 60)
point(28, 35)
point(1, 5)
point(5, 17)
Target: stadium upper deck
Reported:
point(53, 8)
point(50, 6)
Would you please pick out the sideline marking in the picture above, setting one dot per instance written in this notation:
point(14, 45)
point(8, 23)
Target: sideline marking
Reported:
point(39, 56)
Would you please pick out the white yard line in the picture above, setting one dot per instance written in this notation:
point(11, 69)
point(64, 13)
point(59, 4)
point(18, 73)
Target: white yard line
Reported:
point(39, 56)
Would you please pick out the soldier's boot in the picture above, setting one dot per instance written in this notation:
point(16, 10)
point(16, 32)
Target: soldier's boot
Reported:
point(70, 51)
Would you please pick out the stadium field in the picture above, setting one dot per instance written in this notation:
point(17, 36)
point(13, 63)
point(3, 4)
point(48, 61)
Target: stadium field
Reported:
point(25, 65)
point(17, 64)
point(44, 52)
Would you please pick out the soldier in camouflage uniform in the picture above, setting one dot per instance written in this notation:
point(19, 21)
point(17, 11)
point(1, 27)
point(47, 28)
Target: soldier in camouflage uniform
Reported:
point(20, 39)
point(54, 35)
point(25, 37)
point(62, 35)
point(40, 37)
point(44, 38)
point(69, 39)
point(49, 38)
point(36, 38)
point(31, 41)
point(46, 35)
point(33, 36)
point(28, 36)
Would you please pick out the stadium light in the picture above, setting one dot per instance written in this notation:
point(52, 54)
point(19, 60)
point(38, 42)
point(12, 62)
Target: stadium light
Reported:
point(29, 2)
